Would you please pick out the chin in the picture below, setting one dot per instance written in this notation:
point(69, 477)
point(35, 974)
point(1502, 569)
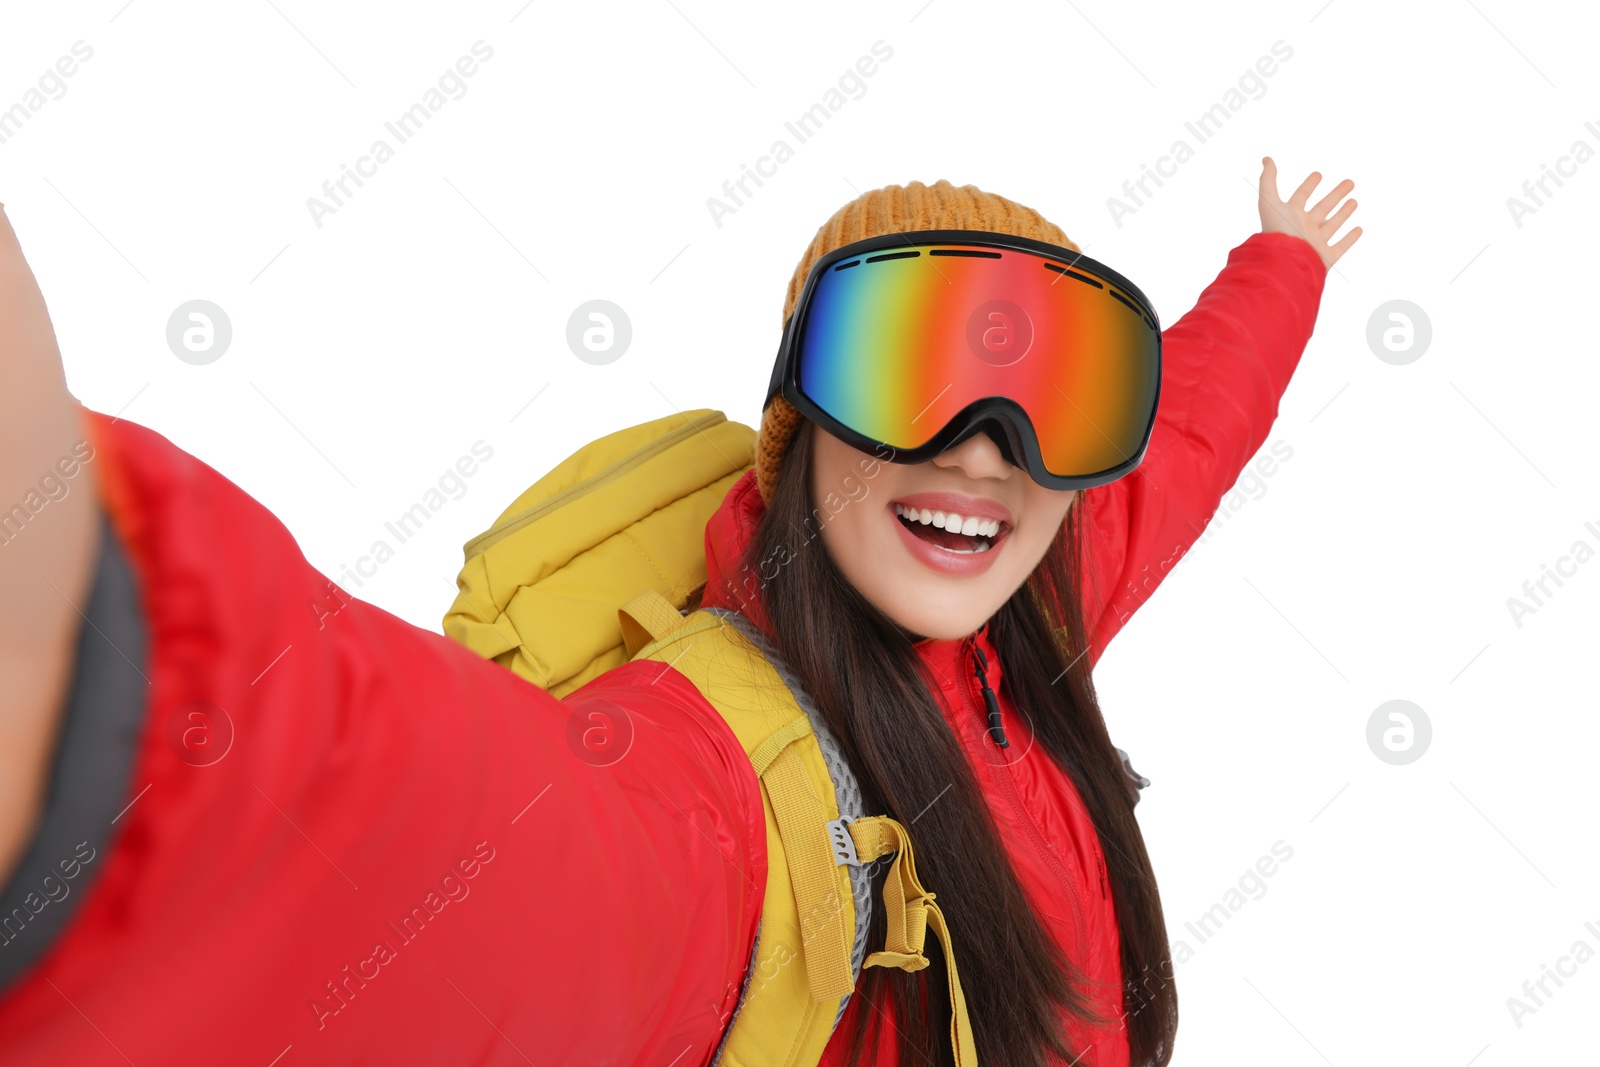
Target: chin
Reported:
point(919, 600)
point(943, 633)
point(927, 610)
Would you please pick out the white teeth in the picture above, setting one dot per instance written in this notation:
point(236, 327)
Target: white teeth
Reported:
point(948, 520)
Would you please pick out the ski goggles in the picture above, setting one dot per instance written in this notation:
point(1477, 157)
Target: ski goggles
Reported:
point(913, 341)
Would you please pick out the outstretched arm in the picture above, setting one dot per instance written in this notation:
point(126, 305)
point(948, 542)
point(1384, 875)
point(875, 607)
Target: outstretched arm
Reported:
point(48, 536)
point(277, 816)
point(1224, 367)
point(346, 833)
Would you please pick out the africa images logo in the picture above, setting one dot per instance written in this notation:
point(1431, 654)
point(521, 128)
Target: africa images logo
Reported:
point(999, 332)
point(453, 886)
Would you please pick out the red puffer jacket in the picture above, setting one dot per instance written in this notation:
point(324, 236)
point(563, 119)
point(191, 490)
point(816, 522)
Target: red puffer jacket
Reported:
point(402, 859)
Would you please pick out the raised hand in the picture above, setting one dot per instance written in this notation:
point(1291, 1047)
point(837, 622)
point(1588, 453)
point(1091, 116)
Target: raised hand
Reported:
point(1314, 223)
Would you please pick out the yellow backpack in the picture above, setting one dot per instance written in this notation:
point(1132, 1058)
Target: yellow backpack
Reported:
point(588, 569)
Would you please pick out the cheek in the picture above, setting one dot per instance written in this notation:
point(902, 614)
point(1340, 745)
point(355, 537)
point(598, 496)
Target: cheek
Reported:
point(1051, 505)
point(1047, 510)
point(1021, 554)
point(858, 548)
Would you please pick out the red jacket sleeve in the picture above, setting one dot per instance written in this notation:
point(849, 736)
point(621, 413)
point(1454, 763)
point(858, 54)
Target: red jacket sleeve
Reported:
point(406, 853)
point(1224, 367)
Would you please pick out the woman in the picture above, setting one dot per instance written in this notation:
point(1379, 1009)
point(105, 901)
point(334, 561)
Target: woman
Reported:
point(392, 854)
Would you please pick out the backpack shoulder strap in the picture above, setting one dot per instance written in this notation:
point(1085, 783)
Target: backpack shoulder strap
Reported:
point(804, 966)
point(820, 846)
point(647, 616)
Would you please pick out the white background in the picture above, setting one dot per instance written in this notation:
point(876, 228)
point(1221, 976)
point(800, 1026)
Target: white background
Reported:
point(1375, 564)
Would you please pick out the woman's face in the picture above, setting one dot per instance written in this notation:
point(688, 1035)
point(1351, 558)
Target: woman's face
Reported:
point(933, 582)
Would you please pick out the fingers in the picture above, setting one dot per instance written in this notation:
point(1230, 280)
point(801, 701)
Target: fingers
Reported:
point(1313, 223)
point(1325, 205)
point(1333, 224)
point(1269, 178)
point(1302, 194)
point(1342, 246)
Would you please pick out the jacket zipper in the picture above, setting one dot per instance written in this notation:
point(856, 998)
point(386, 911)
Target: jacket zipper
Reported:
point(1009, 787)
point(997, 729)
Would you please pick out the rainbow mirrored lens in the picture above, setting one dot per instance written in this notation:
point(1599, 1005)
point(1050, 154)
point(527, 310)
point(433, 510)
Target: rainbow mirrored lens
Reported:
point(896, 343)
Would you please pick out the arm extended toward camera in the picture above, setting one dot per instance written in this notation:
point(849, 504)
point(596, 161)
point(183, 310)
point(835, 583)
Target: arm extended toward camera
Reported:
point(47, 545)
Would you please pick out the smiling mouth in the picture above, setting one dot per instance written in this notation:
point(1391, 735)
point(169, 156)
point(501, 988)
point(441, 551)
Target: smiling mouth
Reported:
point(961, 535)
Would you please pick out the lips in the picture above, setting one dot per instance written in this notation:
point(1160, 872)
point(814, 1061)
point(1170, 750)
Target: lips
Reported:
point(951, 533)
point(958, 503)
point(950, 530)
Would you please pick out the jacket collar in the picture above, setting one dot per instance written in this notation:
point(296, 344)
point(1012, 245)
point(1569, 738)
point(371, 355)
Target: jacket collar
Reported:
point(730, 585)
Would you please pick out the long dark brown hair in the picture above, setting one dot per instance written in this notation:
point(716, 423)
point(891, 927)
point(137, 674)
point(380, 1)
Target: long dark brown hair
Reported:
point(874, 693)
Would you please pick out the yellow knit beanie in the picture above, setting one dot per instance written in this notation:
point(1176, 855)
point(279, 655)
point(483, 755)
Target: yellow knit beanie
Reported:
point(891, 209)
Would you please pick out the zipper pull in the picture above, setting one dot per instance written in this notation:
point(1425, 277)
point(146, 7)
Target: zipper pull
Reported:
point(997, 730)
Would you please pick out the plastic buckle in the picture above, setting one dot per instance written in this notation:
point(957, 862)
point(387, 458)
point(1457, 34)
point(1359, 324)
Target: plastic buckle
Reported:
point(844, 846)
point(1139, 780)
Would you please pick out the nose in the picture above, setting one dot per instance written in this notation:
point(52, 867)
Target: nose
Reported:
point(978, 456)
